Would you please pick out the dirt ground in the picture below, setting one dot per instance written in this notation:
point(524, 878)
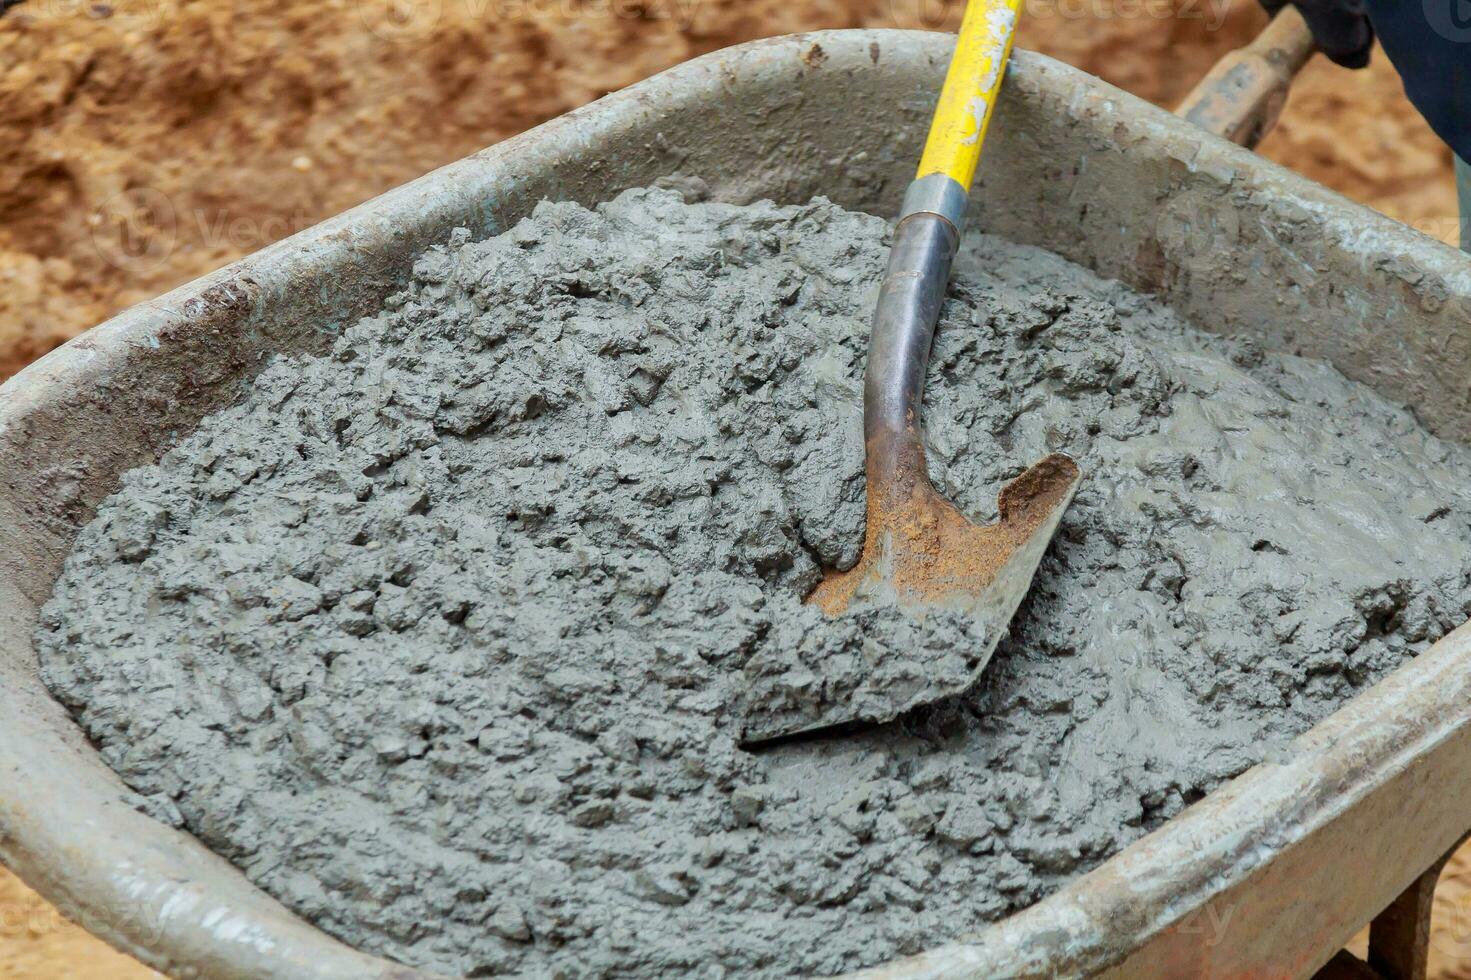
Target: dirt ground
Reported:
point(144, 142)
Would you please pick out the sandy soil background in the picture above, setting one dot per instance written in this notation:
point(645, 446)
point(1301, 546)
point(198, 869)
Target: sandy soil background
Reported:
point(144, 142)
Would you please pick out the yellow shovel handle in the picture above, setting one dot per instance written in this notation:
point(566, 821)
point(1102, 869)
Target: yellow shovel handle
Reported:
point(971, 85)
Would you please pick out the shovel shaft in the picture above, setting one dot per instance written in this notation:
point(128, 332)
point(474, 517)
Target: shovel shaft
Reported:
point(920, 552)
point(899, 351)
point(924, 246)
point(963, 112)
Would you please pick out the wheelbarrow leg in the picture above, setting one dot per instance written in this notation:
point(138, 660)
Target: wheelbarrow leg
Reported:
point(1399, 937)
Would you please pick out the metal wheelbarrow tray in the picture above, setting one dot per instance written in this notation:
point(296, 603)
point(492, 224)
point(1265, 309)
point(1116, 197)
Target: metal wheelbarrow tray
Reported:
point(1266, 877)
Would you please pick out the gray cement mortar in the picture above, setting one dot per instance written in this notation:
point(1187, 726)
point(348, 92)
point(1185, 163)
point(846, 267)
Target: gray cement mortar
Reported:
point(447, 638)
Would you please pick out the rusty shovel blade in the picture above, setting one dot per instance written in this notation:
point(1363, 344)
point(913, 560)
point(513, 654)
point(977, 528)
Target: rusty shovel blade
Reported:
point(920, 554)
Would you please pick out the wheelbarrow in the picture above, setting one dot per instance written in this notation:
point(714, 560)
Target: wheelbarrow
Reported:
point(1294, 856)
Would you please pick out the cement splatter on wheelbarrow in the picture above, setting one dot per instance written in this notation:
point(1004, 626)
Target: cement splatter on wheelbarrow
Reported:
point(443, 637)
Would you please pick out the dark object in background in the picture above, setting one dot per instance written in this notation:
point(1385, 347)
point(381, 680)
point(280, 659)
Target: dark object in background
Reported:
point(1341, 28)
point(1428, 41)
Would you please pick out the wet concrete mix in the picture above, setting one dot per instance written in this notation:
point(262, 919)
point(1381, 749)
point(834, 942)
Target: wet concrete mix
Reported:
point(447, 638)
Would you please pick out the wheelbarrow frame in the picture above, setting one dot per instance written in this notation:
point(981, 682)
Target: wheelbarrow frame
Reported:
point(1292, 857)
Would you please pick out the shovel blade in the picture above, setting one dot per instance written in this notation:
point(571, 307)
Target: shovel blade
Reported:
point(920, 556)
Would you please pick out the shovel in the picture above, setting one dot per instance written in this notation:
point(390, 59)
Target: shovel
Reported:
point(919, 551)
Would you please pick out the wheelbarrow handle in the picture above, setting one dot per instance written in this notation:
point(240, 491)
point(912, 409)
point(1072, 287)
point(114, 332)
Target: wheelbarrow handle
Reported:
point(1241, 97)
